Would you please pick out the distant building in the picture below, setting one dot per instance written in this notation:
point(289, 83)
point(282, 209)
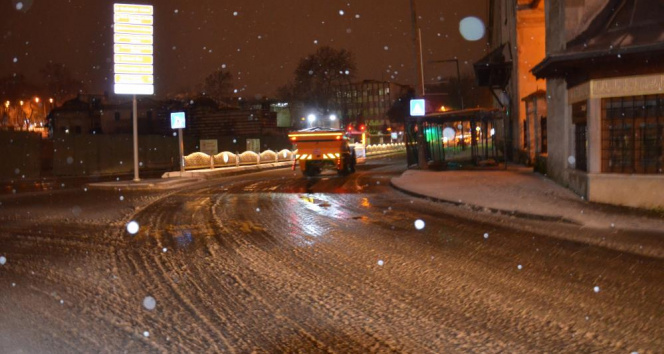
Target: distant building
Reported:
point(604, 67)
point(367, 102)
point(234, 129)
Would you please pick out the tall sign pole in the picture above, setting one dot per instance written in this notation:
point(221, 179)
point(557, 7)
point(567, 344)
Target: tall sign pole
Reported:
point(178, 122)
point(133, 58)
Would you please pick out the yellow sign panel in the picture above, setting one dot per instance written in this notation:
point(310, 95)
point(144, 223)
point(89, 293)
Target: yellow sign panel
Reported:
point(133, 9)
point(132, 29)
point(133, 19)
point(133, 69)
point(132, 38)
point(133, 59)
point(132, 49)
point(134, 79)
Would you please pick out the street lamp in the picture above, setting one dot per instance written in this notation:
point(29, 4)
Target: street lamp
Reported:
point(333, 117)
point(311, 119)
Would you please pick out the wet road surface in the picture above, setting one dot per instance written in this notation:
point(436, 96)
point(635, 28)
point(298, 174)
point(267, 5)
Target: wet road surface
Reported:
point(275, 262)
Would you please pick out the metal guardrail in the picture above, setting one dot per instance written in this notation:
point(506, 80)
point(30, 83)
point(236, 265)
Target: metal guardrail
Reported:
point(201, 160)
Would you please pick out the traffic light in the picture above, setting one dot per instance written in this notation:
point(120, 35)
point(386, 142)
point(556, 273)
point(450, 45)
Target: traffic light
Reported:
point(362, 127)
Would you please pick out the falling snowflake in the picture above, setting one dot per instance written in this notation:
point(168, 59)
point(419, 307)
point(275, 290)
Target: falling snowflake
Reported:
point(149, 303)
point(380, 262)
point(419, 224)
point(596, 289)
point(519, 267)
point(3, 260)
point(121, 197)
point(486, 235)
point(341, 12)
point(234, 13)
point(132, 227)
point(146, 334)
point(164, 249)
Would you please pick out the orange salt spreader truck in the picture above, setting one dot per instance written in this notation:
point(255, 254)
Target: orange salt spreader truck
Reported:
point(323, 148)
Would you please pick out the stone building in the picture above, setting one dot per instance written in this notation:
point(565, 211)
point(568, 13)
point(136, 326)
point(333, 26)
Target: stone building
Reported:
point(604, 68)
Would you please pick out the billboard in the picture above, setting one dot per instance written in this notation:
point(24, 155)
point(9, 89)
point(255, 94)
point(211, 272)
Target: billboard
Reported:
point(133, 52)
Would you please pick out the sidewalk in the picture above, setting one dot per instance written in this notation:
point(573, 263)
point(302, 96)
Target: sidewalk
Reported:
point(520, 192)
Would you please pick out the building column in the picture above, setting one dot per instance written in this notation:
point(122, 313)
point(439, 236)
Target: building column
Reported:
point(594, 135)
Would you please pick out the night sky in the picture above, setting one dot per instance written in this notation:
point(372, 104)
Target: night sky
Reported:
point(259, 42)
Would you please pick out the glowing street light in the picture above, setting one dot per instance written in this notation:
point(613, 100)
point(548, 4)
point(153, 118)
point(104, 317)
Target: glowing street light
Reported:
point(311, 118)
point(333, 117)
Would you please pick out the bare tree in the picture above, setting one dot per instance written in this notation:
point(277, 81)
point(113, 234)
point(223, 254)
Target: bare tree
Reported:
point(219, 86)
point(60, 83)
point(318, 77)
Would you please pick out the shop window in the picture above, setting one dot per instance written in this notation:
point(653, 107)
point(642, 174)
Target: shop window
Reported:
point(580, 121)
point(632, 134)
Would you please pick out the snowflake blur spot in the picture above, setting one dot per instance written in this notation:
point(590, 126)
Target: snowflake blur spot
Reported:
point(380, 262)
point(486, 235)
point(176, 11)
point(149, 303)
point(19, 6)
point(341, 12)
point(596, 289)
point(519, 267)
point(146, 334)
point(3, 260)
point(62, 302)
point(315, 41)
point(132, 227)
point(121, 197)
point(419, 224)
point(471, 28)
point(258, 210)
point(15, 60)
point(357, 15)
point(571, 160)
point(164, 249)
point(386, 47)
point(234, 13)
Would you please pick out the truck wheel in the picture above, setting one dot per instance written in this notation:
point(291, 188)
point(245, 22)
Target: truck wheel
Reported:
point(346, 166)
point(353, 162)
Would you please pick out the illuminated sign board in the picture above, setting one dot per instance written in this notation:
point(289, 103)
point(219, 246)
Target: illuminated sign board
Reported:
point(417, 107)
point(133, 49)
point(177, 120)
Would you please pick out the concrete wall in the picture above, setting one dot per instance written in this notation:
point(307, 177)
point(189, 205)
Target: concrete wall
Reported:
point(620, 189)
point(91, 155)
point(555, 21)
point(558, 129)
point(21, 154)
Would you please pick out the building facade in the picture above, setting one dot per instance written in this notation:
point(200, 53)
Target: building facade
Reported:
point(605, 87)
point(516, 34)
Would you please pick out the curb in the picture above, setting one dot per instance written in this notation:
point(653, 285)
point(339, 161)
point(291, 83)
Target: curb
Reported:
point(514, 213)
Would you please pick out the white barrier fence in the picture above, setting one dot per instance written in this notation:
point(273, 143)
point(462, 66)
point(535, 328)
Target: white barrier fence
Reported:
point(200, 160)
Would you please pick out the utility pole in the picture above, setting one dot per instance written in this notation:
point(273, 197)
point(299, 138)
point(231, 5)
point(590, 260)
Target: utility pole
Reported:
point(417, 44)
